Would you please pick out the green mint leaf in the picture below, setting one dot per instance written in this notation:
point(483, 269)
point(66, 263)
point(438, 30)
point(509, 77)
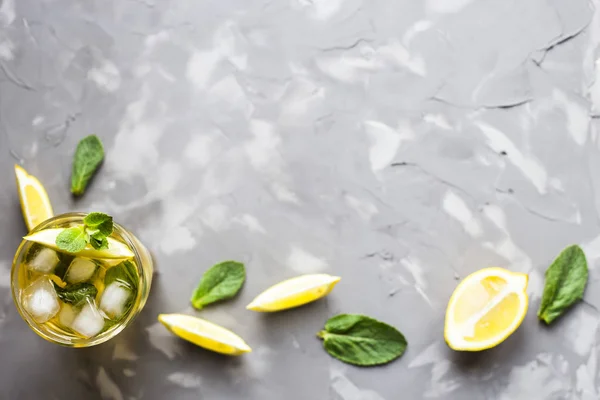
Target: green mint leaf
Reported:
point(96, 234)
point(565, 283)
point(221, 282)
point(361, 340)
point(72, 240)
point(77, 293)
point(125, 273)
point(99, 244)
point(99, 224)
point(88, 157)
point(109, 323)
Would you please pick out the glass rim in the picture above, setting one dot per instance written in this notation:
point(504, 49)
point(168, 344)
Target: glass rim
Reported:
point(129, 240)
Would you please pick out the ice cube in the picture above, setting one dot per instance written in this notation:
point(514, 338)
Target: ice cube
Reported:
point(67, 315)
point(89, 322)
point(40, 300)
point(114, 299)
point(80, 270)
point(44, 261)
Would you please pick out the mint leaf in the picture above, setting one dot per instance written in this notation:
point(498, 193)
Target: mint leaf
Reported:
point(565, 283)
point(95, 231)
point(72, 240)
point(125, 273)
point(361, 340)
point(99, 244)
point(99, 224)
point(77, 293)
point(221, 282)
point(88, 157)
point(109, 323)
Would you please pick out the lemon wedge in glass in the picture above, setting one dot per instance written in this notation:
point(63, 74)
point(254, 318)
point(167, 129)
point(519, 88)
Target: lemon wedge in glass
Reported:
point(294, 292)
point(116, 249)
point(35, 203)
point(485, 309)
point(205, 334)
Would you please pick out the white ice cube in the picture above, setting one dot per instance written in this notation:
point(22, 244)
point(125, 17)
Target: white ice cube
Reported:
point(80, 270)
point(44, 261)
point(89, 322)
point(67, 315)
point(40, 300)
point(114, 298)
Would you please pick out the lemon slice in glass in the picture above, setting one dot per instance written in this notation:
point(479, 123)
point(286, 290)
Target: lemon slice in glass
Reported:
point(116, 249)
point(294, 292)
point(485, 309)
point(205, 334)
point(35, 203)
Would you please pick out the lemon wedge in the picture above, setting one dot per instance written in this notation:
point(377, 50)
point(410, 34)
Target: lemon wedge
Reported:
point(205, 334)
point(294, 292)
point(116, 249)
point(59, 282)
point(35, 203)
point(485, 309)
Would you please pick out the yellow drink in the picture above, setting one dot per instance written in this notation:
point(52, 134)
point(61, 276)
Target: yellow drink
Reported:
point(79, 301)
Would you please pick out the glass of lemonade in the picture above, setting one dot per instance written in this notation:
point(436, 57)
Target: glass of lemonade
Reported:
point(80, 300)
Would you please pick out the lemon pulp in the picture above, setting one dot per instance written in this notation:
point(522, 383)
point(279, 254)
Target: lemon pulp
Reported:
point(204, 334)
point(35, 203)
point(294, 292)
point(485, 309)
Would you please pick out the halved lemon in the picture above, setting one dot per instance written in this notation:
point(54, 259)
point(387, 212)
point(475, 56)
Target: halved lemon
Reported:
point(294, 292)
point(485, 309)
point(205, 334)
point(35, 203)
point(116, 249)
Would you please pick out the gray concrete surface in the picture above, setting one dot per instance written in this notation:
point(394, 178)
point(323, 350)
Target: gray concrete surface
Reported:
point(399, 144)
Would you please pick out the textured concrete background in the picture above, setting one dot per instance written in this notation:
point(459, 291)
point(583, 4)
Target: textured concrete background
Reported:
point(401, 144)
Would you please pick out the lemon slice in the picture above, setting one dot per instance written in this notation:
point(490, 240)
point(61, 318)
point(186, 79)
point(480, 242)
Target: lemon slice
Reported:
point(58, 281)
point(294, 292)
point(116, 249)
point(205, 334)
point(485, 309)
point(35, 203)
